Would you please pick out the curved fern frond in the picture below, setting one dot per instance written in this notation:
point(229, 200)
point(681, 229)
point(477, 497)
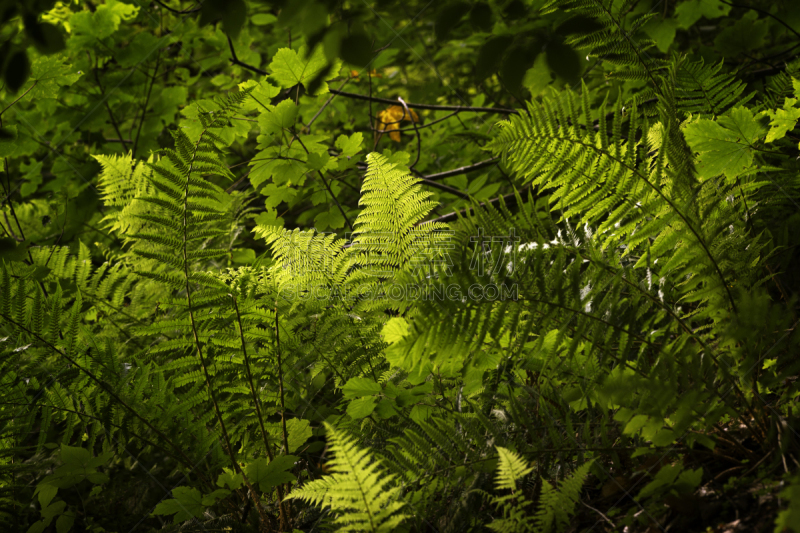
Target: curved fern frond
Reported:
point(360, 492)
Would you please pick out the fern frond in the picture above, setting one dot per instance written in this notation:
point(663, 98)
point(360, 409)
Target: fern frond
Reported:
point(512, 468)
point(557, 505)
point(361, 494)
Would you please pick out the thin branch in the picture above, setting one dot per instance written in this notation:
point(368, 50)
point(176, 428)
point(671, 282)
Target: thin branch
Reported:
point(6, 108)
point(327, 102)
point(407, 111)
point(428, 106)
point(108, 107)
point(236, 61)
point(257, 405)
point(176, 11)
point(509, 200)
point(327, 186)
point(462, 170)
point(440, 186)
point(144, 109)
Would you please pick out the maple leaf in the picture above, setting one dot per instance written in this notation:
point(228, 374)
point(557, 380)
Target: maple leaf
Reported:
point(389, 120)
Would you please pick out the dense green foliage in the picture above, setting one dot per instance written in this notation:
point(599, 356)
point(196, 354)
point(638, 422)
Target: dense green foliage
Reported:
point(510, 266)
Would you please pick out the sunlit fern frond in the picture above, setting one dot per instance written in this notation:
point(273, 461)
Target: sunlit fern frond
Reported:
point(361, 494)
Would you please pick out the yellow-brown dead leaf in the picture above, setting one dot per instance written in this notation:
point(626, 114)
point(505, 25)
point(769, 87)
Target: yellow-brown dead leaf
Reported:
point(389, 120)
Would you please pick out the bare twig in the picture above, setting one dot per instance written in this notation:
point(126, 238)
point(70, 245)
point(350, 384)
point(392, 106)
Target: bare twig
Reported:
point(18, 99)
point(462, 170)
point(236, 61)
point(509, 200)
point(176, 11)
point(428, 106)
point(406, 111)
point(327, 186)
point(144, 109)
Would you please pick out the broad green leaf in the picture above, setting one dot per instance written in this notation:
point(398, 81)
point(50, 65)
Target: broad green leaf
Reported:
point(211, 499)
point(187, 503)
point(361, 407)
point(517, 60)
point(538, 77)
point(357, 387)
point(395, 329)
point(385, 408)
point(101, 23)
point(330, 219)
point(783, 120)
point(269, 218)
point(318, 161)
point(64, 522)
point(48, 513)
point(277, 194)
point(789, 520)
point(289, 68)
point(233, 480)
point(260, 96)
point(726, 145)
point(664, 437)
point(143, 46)
point(270, 474)
point(665, 478)
point(350, 146)
point(50, 73)
point(635, 424)
point(420, 413)
point(687, 13)
point(245, 256)
point(78, 465)
point(662, 32)
point(744, 35)
point(280, 119)
point(262, 19)
point(46, 493)
point(299, 432)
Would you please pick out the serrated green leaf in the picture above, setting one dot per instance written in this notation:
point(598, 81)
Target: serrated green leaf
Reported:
point(211, 499)
point(289, 68)
point(267, 474)
point(350, 146)
point(50, 74)
point(689, 12)
point(299, 432)
point(187, 503)
point(783, 120)
point(726, 145)
point(232, 480)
